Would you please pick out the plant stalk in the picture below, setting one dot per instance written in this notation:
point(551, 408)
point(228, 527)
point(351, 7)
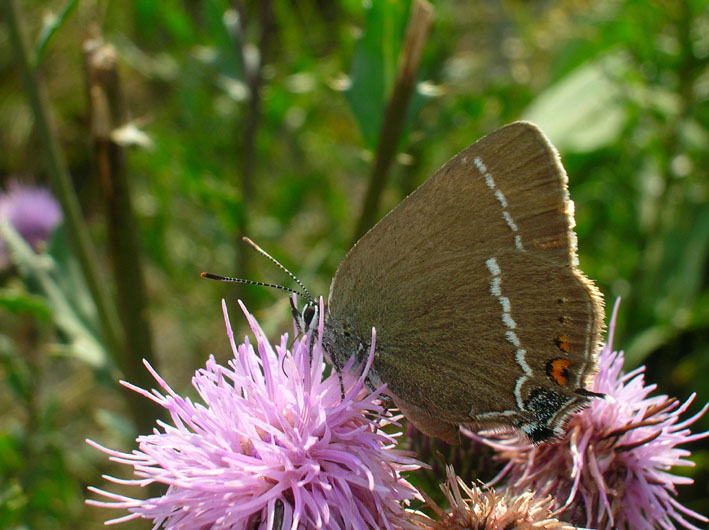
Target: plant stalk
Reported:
point(392, 128)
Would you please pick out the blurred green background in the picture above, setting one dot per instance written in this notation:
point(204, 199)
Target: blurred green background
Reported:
point(263, 118)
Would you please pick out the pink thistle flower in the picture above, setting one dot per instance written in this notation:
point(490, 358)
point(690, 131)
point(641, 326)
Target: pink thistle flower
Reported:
point(612, 470)
point(274, 445)
point(32, 211)
point(484, 509)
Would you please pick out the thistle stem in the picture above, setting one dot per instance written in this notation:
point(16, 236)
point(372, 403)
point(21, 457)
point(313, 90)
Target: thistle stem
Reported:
point(395, 115)
point(61, 181)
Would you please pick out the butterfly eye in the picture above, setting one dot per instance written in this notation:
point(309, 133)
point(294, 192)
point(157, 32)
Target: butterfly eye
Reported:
point(309, 312)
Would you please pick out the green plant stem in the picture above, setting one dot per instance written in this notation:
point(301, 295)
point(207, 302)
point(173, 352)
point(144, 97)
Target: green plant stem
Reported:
point(108, 113)
point(249, 129)
point(61, 181)
point(395, 114)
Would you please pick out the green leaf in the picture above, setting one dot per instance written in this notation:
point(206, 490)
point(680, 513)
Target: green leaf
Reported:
point(67, 297)
point(687, 269)
point(222, 25)
point(155, 17)
point(374, 65)
point(648, 341)
point(69, 278)
point(50, 25)
point(19, 301)
point(583, 111)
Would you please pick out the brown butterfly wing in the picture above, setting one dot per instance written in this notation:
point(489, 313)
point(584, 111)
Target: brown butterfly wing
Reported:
point(471, 282)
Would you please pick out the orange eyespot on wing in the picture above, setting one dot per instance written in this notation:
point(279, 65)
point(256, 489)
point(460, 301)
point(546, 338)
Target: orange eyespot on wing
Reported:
point(558, 371)
point(562, 342)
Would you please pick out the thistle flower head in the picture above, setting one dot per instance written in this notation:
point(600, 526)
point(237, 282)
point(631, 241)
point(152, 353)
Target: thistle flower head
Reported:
point(274, 443)
point(613, 468)
point(32, 211)
point(484, 509)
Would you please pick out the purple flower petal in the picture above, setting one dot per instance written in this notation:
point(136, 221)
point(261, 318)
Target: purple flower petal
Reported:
point(271, 435)
point(613, 468)
point(32, 211)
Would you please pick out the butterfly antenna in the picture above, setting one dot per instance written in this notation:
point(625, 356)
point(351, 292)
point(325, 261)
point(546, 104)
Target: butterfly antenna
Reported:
point(278, 264)
point(229, 279)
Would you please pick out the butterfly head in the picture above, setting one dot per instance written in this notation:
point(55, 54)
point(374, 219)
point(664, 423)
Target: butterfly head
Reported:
point(308, 317)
